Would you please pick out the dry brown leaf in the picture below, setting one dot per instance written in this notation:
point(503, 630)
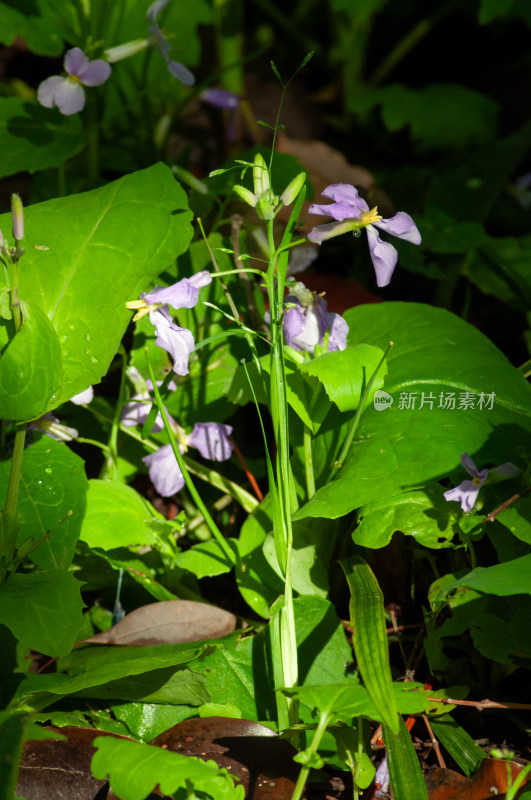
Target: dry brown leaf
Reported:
point(489, 780)
point(169, 622)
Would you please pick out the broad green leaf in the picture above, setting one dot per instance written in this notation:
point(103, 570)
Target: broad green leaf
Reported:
point(117, 516)
point(437, 359)
point(313, 545)
point(30, 367)
point(136, 769)
point(43, 610)
point(147, 570)
point(345, 374)
point(35, 137)
point(501, 268)
point(104, 248)
point(424, 514)
point(370, 638)
point(426, 112)
point(146, 720)
point(109, 672)
point(404, 768)
point(205, 559)
point(52, 485)
point(517, 518)
point(36, 23)
point(461, 746)
point(511, 577)
point(490, 9)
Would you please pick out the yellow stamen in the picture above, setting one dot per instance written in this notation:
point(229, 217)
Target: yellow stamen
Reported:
point(476, 481)
point(73, 78)
point(142, 307)
point(368, 217)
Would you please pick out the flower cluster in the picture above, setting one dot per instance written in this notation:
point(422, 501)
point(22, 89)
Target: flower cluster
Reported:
point(351, 213)
point(467, 491)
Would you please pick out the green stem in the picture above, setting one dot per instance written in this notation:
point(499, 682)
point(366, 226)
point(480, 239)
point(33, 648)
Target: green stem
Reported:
point(322, 725)
point(338, 464)
point(10, 526)
point(226, 549)
point(308, 462)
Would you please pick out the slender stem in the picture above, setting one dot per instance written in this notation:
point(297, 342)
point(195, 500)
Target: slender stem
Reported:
point(7, 547)
point(227, 550)
point(308, 462)
point(322, 725)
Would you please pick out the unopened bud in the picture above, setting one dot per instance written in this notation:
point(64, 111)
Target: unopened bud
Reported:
point(246, 195)
point(260, 175)
point(264, 207)
point(17, 213)
point(291, 192)
point(121, 51)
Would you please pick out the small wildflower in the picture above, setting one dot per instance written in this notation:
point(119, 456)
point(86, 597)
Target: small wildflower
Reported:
point(164, 471)
point(67, 93)
point(306, 322)
point(183, 294)
point(51, 426)
point(212, 440)
point(351, 213)
point(158, 39)
point(221, 98)
point(136, 411)
point(467, 491)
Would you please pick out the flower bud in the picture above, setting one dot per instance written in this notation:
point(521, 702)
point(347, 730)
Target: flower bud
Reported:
point(264, 207)
point(291, 192)
point(17, 213)
point(246, 195)
point(125, 50)
point(260, 175)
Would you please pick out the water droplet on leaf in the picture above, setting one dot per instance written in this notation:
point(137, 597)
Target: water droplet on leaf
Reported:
point(63, 339)
point(93, 360)
point(48, 470)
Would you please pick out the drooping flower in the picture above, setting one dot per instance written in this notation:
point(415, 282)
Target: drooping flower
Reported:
point(158, 39)
point(178, 342)
point(382, 780)
point(351, 213)
point(212, 440)
point(221, 98)
point(164, 471)
point(51, 426)
point(306, 321)
point(467, 491)
point(83, 398)
point(136, 411)
point(67, 93)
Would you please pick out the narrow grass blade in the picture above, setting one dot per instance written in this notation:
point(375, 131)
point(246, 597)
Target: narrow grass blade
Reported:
point(463, 749)
point(405, 774)
point(370, 639)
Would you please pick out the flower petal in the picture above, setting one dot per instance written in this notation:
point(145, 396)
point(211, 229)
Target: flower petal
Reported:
point(183, 294)
point(347, 205)
point(164, 471)
point(507, 470)
point(466, 493)
point(211, 439)
point(47, 90)
point(337, 339)
point(83, 398)
point(402, 226)
point(69, 97)
point(178, 342)
point(95, 73)
point(321, 233)
point(220, 98)
point(75, 61)
point(294, 324)
point(155, 9)
point(468, 464)
point(180, 72)
point(383, 255)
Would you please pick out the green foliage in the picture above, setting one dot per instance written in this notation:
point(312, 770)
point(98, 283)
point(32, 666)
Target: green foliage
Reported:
point(36, 23)
point(35, 137)
point(135, 769)
point(404, 768)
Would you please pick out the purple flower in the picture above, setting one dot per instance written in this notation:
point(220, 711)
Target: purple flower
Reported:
point(211, 439)
point(136, 411)
point(221, 98)
point(51, 426)
point(382, 780)
point(164, 471)
point(178, 342)
point(467, 491)
point(306, 322)
point(67, 93)
point(352, 213)
point(157, 38)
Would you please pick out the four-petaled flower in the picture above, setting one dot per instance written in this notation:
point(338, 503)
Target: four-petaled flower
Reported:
point(178, 342)
point(467, 491)
point(67, 93)
point(158, 39)
point(351, 213)
point(306, 321)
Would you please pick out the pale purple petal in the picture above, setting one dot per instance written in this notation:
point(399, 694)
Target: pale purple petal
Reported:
point(75, 61)
point(301, 328)
point(155, 9)
point(382, 780)
point(221, 98)
point(137, 411)
point(337, 339)
point(47, 90)
point(95, 73)
point(330, 229)
point(345, 192)
point(211, 439)
point(157, 39)
point(383, 255)
point(51, 426)
point(164, 471)
point(468, 464)
point(504, 471)
point(348, 204)
point(300, 258)
point(178, 342)
point(172, 386)
point(466, 493)
point(183, 294)
point(180, 72)
point(83, 398)
point(402, 226)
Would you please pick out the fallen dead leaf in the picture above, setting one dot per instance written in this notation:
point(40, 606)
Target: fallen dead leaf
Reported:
point(489, 780)
point(169, 622)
